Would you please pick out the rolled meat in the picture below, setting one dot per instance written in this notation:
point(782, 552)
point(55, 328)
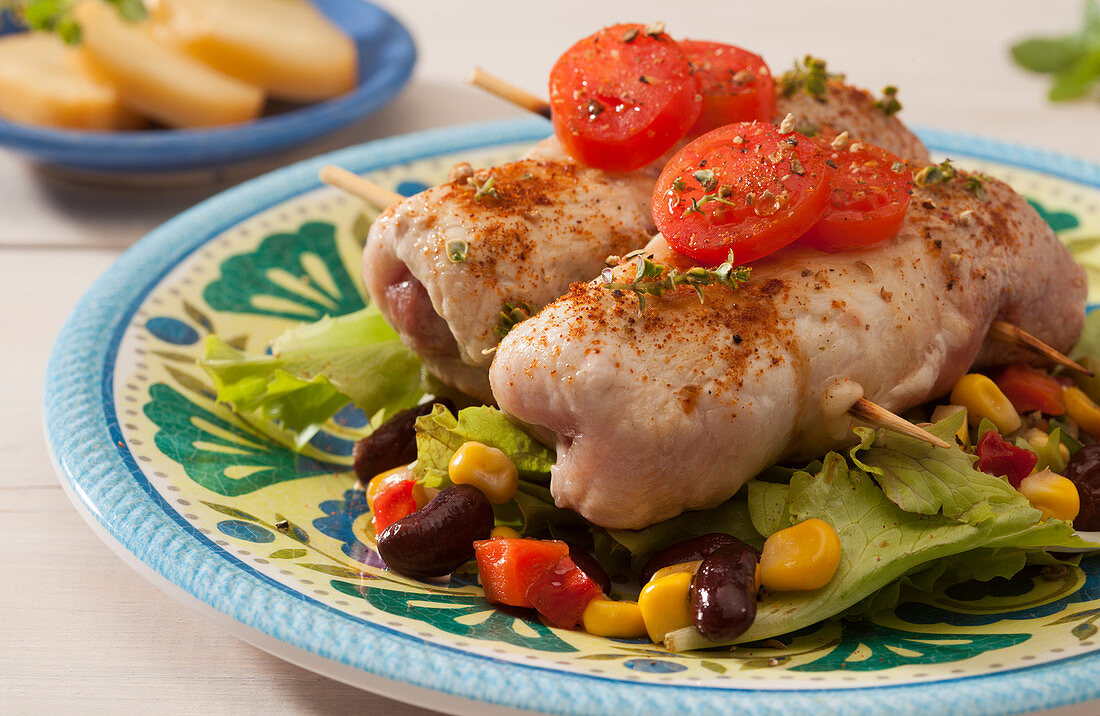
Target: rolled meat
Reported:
point(545, 223)
point(677, 407)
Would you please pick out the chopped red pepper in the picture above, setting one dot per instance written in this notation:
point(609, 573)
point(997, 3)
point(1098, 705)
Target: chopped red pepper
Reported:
point(1029, 390)
point(562, 592)
point(509, 566)
point(393, 502)
point(998, 457)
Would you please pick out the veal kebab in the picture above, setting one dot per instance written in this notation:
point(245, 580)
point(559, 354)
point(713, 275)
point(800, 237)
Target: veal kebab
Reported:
point(750, 374)
point(528, 229)
point(703, 273)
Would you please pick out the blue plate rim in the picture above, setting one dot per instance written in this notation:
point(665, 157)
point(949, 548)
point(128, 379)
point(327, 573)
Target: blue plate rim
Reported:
point(81, 429)
point(145, 150)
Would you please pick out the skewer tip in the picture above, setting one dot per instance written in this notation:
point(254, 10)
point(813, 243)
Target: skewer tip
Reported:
point(865, 410)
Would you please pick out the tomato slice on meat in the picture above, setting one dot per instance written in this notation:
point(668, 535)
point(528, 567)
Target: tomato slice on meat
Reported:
point(870, 193)
point(737, 85)
point(623, 97)
point(744, 187)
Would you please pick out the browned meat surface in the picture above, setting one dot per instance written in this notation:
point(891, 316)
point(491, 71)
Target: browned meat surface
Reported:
point(677, 408)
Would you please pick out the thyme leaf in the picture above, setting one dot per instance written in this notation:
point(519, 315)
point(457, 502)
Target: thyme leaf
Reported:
point(945, 171)
point(483, 190)
point(512, 314)
point(975, 184)
point(934, 174)
point(889, 103)
point(456, 251)
point(811, 76)
point(654, 279)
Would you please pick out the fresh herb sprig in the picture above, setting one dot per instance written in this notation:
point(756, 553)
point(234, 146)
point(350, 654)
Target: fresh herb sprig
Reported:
point(483, 190)
point(945, 171)
point(1073, 60)
point(56, 15)
point(889, 103)
point(654, 279)
point(511, 315)
point(811, 76)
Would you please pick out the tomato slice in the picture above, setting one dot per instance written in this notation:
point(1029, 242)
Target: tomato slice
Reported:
point(870, 194)
point(394, 501)
point(508, 566)
point(1029, 389)
point(997, 456)
point(744, 187)
point(737, 85)
point(623, 97)
point(562, 592)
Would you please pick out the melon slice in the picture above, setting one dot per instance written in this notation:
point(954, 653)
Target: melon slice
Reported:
point(44, 82)
point(287, 47)
point(158, 81)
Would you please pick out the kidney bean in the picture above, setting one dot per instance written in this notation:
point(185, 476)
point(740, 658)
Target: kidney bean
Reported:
point(439, 537)
point(1084, 470)
point(690, 550)
point(723, 592)
point(393, 444)
point(588, 564)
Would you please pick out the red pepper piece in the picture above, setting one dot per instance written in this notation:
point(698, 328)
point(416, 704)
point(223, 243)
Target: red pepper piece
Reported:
point(562, 592)
point(1029, 389)
point(508, 566)
point(393, 502)
point(998, 457)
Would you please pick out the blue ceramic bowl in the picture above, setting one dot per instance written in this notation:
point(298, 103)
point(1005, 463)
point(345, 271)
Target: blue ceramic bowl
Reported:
point(386, 58)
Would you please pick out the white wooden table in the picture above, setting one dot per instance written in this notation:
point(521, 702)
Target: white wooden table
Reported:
point(81, 632)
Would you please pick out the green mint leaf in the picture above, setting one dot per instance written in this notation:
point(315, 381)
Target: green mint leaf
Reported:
point(1078, 79)
point(1090, 35)
point(1047, 54)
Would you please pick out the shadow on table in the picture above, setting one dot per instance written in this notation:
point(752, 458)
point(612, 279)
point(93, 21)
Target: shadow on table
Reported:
point(113, 211)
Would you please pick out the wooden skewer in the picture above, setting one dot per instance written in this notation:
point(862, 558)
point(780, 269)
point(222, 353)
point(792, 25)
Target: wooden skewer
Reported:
point(866, 410)
point(1008, 333)
point(356, 185)
point(508, 92)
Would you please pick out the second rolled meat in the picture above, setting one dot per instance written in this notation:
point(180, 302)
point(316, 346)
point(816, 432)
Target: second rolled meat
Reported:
point(676, 408)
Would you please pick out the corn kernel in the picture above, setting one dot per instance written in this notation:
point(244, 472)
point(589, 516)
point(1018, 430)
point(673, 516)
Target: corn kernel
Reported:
point(983, 399)
point(1053, 495)
point(376, 483)
point(1083, 411)
point(486, 468)
point(800, 558)
point(689, 567)
point(962, 438)
point(665, 604)
point(616, 620)
point(504, 532)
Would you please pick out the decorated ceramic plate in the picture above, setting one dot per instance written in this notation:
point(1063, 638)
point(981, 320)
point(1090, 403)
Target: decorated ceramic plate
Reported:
point(386, 58)
point(274, 545)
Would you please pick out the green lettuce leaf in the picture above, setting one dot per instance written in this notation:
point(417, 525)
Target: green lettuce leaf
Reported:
point(731, 517)
point(316, 369)
point(532, 511)
point(902, 466)
point(881, 542)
